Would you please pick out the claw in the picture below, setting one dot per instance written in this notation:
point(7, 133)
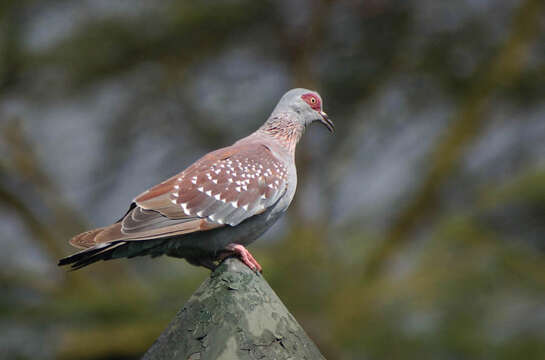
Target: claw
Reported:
point(244, 256)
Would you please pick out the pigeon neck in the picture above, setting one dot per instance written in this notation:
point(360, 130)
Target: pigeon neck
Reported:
point(287, 131)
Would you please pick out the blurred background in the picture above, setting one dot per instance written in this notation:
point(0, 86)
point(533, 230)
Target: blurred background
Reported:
point(418, 229)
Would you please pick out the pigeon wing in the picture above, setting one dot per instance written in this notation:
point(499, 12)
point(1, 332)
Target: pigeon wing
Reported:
point(223, 188)
point(226, 186)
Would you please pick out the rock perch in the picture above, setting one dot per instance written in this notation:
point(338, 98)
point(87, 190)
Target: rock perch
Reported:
point(234, 314)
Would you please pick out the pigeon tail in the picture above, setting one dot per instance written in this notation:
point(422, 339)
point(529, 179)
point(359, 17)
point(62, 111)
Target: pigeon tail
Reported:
point(86, 257)
point(95, 250)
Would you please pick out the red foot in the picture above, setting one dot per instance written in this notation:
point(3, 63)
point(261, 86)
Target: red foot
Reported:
point(244, 255)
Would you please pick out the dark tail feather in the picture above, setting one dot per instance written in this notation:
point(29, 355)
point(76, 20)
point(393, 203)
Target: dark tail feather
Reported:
point(114, 250)
point(86, 257)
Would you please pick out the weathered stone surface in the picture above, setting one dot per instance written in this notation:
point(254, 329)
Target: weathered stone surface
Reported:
point(233, 315)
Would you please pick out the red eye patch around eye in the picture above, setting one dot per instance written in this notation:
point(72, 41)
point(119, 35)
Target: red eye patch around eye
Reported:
point(313, 101)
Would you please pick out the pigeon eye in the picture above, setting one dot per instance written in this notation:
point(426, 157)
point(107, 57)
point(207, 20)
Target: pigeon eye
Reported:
point(312, 100)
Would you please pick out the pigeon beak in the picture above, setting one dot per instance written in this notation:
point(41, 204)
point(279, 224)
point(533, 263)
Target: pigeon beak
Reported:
point(328, 123)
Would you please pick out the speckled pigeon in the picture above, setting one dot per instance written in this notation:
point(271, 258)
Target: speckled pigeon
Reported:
point(219, 204)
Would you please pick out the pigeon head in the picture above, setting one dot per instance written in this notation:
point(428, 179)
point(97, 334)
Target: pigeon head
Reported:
point(307, 104)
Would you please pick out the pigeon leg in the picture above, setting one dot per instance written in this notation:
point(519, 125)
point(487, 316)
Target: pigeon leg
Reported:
point(243, 254)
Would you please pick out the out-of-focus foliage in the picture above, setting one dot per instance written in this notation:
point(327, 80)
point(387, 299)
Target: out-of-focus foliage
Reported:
point(417, 230)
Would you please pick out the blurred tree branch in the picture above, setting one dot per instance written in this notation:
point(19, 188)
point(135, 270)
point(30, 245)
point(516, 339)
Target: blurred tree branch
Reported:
point(36, 227)
point(22, 177)
point(26, 166)
point(500, 72)
point(192, 31)
point(10, 24)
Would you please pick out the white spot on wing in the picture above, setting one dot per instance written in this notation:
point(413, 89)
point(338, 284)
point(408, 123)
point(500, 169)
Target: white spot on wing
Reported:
point(184, 207)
